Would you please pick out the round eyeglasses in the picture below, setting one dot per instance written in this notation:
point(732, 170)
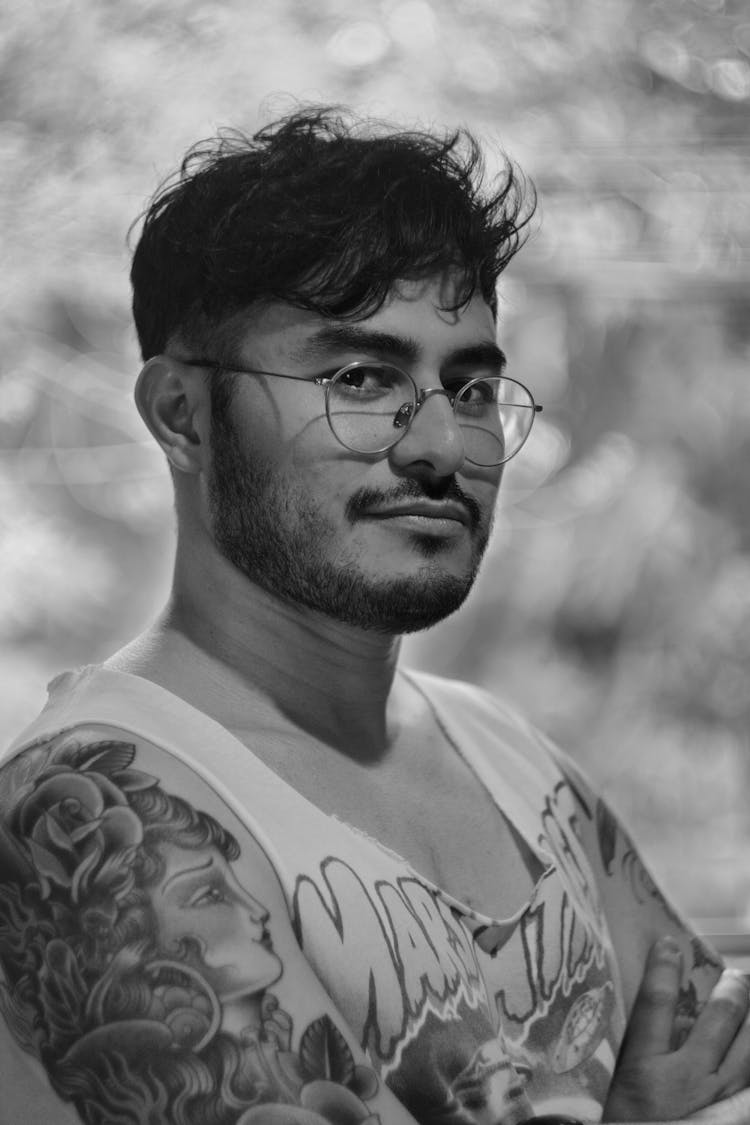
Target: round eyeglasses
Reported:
point(370, 407)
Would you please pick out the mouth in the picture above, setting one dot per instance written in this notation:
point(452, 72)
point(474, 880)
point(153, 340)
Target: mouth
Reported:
point(435, 516)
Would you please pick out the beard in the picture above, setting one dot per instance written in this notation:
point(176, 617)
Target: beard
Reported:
point(273, 531)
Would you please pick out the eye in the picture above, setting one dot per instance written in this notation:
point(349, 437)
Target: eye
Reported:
point(455, 386)
point(210, 895)
point(368, 379)
point(482, 392)
point(475, 395)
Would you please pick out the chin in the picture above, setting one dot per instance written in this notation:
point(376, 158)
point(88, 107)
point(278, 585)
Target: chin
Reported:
point(232, 985)
point(408, 604)
point(409, 588)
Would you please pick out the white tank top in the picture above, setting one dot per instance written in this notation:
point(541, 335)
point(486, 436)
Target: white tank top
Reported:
point(448, 1003)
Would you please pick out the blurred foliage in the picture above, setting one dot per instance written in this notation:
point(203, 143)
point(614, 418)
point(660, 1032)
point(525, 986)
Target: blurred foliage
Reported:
point(615, 604)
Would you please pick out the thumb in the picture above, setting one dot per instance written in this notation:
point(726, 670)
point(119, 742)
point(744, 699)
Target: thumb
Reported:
point(649, 1029)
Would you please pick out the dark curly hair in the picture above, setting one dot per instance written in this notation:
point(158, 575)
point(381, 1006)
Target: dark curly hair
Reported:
point(323, 211)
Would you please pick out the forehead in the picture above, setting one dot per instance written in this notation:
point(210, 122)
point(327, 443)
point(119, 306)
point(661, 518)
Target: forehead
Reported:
point(414, 311)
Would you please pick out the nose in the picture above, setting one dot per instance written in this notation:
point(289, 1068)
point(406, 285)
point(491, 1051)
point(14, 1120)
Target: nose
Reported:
point(256, 911)
point(434, 440)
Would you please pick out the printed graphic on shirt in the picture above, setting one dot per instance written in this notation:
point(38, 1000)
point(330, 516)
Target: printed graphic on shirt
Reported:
point(469, 1022)
point(138, 967)
point(418, 1000)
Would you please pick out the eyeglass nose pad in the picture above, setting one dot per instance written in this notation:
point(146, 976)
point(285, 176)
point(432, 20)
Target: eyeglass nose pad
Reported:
point(403, 415)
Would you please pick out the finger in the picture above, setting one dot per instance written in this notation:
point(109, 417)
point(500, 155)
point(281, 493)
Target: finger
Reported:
point(720, 1020)
point(734, 1070)
point(650, 1025)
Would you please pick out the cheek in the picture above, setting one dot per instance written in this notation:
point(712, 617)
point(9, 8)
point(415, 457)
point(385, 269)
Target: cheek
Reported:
point(233, 944)
point(286, 429)
point(231, 924)
point(320, 485)
point(481, 479)
point(483, 487)
point(205, 925)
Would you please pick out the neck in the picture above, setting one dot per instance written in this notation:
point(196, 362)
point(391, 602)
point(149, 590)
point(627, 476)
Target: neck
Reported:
point(241, 1015)
point(249, 659)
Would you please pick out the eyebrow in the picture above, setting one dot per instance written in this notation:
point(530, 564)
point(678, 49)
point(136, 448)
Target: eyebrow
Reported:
point(337, 337)
point(478, 355)
point(332, 338)
point(187, 871)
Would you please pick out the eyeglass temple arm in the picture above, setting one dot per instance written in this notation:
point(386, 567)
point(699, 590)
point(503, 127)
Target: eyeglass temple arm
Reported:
point(230, 368)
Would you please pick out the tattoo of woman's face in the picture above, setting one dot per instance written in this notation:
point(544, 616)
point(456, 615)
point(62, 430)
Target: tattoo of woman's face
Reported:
point(199, 903)
point(138, 965)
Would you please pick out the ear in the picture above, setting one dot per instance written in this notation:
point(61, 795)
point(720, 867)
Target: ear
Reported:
point(171, 400)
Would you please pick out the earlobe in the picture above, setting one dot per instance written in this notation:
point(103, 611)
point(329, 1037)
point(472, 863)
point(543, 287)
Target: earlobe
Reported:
point(169, 402)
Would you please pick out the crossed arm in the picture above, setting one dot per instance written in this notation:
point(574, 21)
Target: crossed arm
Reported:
point(687, 1044)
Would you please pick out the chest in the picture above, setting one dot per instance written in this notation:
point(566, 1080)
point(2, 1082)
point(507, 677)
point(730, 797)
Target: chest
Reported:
point(427, 805)
point(446, 824)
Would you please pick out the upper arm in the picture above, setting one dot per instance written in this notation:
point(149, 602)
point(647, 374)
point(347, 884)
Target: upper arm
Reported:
point(148, 960)
point(637, 910)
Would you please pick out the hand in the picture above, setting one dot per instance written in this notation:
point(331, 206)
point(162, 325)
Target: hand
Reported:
point(654, 1082)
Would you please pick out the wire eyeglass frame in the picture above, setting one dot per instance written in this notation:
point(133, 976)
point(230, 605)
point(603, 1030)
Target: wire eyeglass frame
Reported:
point(404, 416)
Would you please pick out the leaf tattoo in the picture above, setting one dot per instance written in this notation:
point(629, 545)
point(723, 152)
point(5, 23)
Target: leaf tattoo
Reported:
point(606, 827)
point(324, 1053)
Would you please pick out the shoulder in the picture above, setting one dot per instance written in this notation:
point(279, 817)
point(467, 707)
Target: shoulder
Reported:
point(79, 801)
point(95, 704)
point(94, 793)
point(495, 727)
point(467, 697)
point(77, 698)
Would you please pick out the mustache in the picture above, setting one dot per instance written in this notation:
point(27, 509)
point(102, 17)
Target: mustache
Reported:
point(365, 499)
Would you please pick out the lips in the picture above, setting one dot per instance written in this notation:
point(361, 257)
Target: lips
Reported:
point(438, 510)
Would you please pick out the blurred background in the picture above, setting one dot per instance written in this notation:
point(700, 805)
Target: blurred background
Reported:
point(614, 606)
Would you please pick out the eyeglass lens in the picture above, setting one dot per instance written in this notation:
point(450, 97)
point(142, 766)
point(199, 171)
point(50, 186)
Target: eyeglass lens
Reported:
point(370, 406)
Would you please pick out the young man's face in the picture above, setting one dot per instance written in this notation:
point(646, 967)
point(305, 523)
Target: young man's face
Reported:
point(389, 541)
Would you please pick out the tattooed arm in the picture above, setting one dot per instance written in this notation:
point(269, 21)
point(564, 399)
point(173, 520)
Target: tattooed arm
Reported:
point(687, 1044)
point(637, 912)
point(148, 964)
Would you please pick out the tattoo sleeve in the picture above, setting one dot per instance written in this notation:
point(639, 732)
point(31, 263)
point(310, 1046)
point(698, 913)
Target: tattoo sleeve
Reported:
point(148, 961)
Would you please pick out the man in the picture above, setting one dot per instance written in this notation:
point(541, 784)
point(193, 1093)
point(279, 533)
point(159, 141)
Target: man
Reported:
point(253, 870)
